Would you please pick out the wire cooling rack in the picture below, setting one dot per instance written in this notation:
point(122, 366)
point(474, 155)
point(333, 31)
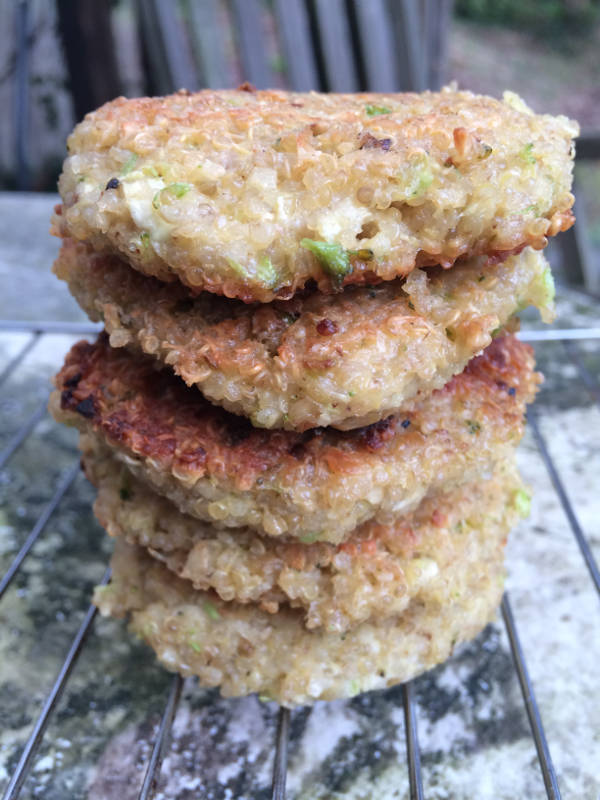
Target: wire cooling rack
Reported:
point(36, 330)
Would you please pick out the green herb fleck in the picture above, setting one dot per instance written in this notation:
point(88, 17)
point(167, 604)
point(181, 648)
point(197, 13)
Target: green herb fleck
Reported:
point(237, 267)
point(411, 305)
point(178, 189)
point(351, 393)
point(150, 170)
point(309, 538)
point(331, 256)
point(266, 272)
point(487, 151)
point(522, 502)
point(473, 425)
point(196, 647)
point(549, 287)
point(81, 179)
point(211, 611)
point(129, 164)
point(156, 201)
point(354, 687)
point(375, 111)
point(125, 493)
point(495, 332)
point(145, 239)
point(421, 183)
point(527, 154)
point(529, 209)
point(480, 278)
point(264, 698)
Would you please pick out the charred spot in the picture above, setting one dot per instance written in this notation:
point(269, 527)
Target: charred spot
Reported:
point(65, 398)
point(195, 456)
point(298, 451)
point(87, 407)
point(183, 306)
point(405, 423)
point(326, 327)
point(370, 142)
point(113, 183)
point(238, 430)
point(377, 434)
point(71, 383)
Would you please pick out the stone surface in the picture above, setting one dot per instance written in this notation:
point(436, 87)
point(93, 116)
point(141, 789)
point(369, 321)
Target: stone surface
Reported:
point(473, 729)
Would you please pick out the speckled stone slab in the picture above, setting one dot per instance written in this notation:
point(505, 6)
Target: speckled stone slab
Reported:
point(473, 730)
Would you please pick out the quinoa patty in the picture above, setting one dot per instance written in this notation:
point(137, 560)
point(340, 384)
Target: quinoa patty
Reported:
point(320, 484)
point(243, 649)
point(345, 360)
point(251, 194)
point(375, 574)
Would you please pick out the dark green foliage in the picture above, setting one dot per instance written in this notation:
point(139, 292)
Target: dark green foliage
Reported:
point(555, 19)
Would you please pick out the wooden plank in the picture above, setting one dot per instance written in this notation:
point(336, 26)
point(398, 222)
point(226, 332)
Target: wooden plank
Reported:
point(209, 42)
point(336, 46)
point(409, 45)
point(21, 95)
point(578, 260)
point(294, 30)
point(251, 41)
point(86, 34)
point(169, 37)
point(438, 26)
point(374, 30)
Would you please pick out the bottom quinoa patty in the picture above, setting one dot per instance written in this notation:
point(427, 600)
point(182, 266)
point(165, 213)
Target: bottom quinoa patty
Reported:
point(243, 649)
point(422, 557)
point(313, 486)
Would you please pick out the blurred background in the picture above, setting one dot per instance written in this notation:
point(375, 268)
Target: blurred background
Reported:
point(62, 58)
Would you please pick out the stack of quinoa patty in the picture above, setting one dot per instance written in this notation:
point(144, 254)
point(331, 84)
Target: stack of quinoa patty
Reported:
point(302, 415)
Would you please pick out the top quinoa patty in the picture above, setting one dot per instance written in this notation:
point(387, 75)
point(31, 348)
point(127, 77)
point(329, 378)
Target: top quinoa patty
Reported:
point(317, 485)
point(251, 194)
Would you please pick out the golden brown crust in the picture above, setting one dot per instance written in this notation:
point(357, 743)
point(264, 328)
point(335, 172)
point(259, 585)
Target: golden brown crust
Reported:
point(219, 189)
point(345, 360)
point(243, 649)
point(375, 574)
point(321, 483)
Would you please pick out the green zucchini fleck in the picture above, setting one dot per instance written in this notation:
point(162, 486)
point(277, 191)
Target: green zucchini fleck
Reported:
point(375, 111)
point(331, 256)
point(129, 164)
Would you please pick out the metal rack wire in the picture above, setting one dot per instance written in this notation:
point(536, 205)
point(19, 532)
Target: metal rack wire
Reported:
point(37, 330)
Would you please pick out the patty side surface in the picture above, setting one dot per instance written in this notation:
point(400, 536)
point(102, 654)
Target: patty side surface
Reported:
point(375, 574)
point(242, 649)
point(251, 194)
point(345, 360)
point(317, 485)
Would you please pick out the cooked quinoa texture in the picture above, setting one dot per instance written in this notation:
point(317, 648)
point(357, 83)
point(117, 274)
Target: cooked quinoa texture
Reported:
point(314, 486)
point(251, 194)
point(243, 649)
point(345, 360)
point(375, 574)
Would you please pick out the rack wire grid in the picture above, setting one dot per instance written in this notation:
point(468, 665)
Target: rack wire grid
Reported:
point(36, 332)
